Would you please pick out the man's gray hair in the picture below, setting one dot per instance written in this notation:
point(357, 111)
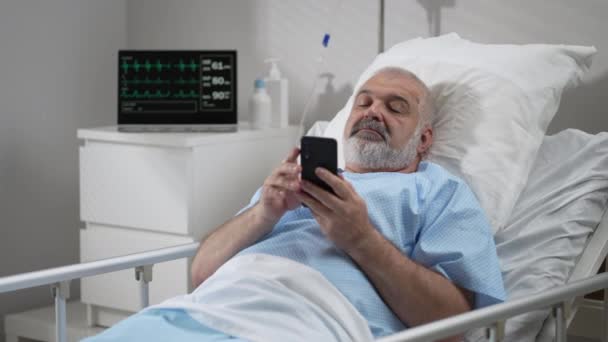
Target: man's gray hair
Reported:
point(427, 104)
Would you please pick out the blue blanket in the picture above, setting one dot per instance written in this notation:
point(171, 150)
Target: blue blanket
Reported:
point(161, 325)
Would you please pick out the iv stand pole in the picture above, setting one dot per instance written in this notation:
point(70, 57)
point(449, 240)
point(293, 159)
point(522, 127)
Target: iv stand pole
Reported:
point(381, 27)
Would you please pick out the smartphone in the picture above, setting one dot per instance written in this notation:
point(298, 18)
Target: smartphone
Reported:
point(318, 152)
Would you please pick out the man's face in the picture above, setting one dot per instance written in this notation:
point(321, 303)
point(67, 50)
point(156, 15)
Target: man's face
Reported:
point(383, 121)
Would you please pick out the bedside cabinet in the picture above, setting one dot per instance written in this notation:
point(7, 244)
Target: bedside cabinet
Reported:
point(145, 191)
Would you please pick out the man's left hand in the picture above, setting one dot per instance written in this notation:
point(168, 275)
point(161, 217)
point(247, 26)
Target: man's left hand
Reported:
point(343, 217)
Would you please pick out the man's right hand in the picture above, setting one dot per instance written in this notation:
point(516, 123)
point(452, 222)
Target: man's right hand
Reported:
point(279, 189)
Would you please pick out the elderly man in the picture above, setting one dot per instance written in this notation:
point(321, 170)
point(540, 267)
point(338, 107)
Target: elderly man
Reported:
point(401, 243)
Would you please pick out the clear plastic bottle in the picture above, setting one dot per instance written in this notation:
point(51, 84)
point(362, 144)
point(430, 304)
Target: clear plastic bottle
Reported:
point(278, 88)
point(260, 106)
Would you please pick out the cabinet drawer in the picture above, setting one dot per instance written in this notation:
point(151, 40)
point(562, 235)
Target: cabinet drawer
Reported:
point(120, 290)
point(134, 186)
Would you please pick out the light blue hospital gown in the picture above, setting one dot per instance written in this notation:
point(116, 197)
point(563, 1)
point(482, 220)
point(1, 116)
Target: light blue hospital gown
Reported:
point(430, 216)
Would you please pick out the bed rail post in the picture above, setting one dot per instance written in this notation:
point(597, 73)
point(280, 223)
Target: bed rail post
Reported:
point(491, 333)
point(560, 322)
point(496, 332)
point(61, 292)
point(143, 274)
point(605, 337)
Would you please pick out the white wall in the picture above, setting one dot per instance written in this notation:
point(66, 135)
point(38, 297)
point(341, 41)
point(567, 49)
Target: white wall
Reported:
point(289, 29)
point(56, 75)
point(523, 22)
point(293, 30)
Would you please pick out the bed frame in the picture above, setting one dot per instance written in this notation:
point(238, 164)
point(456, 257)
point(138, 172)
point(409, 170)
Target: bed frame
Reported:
point(562, 299)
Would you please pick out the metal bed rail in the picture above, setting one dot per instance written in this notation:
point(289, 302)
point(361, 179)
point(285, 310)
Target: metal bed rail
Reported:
point(59, 278)
point(492, 317)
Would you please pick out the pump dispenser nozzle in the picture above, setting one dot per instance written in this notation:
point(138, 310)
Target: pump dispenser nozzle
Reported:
point(274, 73)
point(278, 91)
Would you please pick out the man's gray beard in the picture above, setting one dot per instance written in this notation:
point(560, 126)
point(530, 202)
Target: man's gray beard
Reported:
point(378, 155)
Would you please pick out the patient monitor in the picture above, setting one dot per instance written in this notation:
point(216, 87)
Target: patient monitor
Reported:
point(177, 90)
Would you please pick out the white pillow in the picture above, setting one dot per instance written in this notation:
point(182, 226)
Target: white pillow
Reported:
point(494, 103)
point(563, 202)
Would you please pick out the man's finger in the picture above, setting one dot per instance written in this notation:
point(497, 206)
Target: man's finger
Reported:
point(286, 175)
point(315, 206)
point(293, 155)
point(289, 169)
point(335, 182)
point(328, 199)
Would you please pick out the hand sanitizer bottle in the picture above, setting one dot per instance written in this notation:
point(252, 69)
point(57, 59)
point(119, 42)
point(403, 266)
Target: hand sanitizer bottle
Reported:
point(260, 106)
point(278, 91)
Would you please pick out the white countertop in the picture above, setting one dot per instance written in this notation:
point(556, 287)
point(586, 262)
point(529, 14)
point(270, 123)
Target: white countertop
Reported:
point(173, 139)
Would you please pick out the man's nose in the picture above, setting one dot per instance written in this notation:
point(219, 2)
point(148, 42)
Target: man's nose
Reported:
point(374, 112)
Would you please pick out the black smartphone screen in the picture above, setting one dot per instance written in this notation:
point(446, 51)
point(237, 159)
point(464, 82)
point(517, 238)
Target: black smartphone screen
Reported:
point(318, 152)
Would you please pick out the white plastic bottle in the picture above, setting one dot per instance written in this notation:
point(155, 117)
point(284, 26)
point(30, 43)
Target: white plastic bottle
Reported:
point(278, 89)
point(260, 106)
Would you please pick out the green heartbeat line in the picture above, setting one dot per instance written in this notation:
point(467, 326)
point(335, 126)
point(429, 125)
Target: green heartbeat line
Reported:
point(159, 95)
point(146, 81)
point(189, 95)
point(158, 65)
point(145, 95)
point(190, 81)
point(182, 66)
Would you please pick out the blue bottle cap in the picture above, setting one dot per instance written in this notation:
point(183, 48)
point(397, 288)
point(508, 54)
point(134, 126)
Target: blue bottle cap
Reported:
point(259, 83)
point(326, 40)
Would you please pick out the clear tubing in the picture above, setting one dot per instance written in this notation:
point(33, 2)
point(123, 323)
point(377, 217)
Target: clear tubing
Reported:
point(320, 63)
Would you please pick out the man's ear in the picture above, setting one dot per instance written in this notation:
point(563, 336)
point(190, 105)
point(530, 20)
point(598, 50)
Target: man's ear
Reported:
point(426, 140)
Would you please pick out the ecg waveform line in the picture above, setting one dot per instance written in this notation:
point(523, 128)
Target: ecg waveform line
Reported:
point(146, 81)
point(189, 95)
point(136, 65)
point(159, 95)
point(179, 81)
point(189, 81)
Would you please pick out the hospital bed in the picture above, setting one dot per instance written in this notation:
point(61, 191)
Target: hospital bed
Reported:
point(550, 223)
point(559, 299)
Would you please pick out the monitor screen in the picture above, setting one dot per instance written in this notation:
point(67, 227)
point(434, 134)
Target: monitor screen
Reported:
point(177, 87)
